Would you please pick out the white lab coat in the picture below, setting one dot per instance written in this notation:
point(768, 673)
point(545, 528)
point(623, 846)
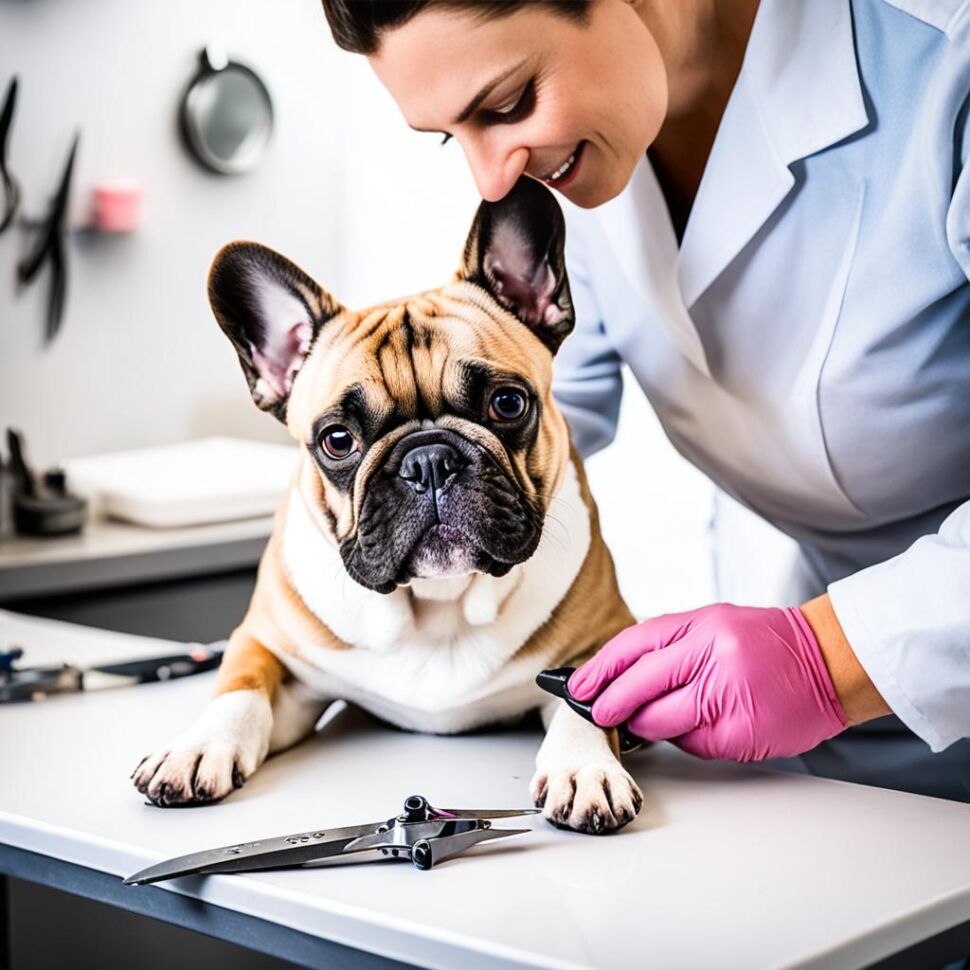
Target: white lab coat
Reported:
point(808, 343)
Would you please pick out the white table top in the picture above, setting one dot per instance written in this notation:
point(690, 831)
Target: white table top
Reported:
point(726, 866)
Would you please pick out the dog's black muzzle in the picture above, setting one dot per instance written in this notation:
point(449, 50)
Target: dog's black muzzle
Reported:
point(439, 499)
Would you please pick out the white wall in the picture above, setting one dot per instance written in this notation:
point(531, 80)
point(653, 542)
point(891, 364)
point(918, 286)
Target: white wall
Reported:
point(366, 205)
point(140, 359)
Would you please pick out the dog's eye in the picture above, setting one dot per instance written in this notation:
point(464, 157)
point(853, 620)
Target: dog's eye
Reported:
point(337, 442)
point(507, 404)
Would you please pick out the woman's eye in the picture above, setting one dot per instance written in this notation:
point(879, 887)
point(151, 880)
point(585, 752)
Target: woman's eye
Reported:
point(508, 109)
point(507, 404)
point(519, 108)
point(337, 442)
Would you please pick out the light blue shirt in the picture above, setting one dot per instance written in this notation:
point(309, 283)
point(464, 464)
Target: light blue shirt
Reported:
point(808, 344)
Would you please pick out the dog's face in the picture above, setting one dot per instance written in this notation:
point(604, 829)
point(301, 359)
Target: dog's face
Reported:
point(432, 446)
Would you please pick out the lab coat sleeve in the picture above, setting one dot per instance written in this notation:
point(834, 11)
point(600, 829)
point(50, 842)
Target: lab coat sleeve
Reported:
point(908, 622)
point(908, 619)
point(587, 378)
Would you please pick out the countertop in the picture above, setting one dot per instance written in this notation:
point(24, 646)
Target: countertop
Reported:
point(726, 866)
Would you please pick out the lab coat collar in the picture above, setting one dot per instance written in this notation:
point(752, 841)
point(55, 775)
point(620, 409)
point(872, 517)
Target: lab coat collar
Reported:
point(798, 93)
point(941, 14)
point(802, 71)
point(637, 225)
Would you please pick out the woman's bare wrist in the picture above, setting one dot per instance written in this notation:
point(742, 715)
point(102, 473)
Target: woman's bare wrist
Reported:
point(856, 692)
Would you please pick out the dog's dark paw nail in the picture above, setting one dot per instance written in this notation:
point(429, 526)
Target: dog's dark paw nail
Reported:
point(624, 818)
point(595, 824)
point(637, 801)
point(237, 777)
point(561, 815)
point(202, 794)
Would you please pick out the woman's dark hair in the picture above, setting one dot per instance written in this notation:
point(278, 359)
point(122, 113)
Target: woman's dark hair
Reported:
point(357, 25)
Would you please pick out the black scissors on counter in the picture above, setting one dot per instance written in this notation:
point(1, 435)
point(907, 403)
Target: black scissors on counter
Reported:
point(421, 834)
point(38, 683)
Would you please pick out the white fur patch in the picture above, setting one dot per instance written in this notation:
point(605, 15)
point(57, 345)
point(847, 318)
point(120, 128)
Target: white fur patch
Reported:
point(429, 664)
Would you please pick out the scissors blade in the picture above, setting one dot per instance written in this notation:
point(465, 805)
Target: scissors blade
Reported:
point(286, 850)
point(485, 812)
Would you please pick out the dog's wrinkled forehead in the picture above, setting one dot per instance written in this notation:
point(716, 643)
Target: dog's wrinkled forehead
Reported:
point(509, 304)
point(430, 356)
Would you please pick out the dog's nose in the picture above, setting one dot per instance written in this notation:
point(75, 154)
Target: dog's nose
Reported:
point(430, 466)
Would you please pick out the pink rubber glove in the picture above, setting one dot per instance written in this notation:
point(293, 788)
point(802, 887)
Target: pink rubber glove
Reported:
point(723, 681)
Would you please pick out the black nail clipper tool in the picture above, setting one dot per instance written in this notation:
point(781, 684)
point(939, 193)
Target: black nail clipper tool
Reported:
point(556, 681)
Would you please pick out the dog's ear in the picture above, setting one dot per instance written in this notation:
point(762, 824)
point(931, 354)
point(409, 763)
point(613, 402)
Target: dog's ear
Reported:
point(272, 312)
point(515, 251)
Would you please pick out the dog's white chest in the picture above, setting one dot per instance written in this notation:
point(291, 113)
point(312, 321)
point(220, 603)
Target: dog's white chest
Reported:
point(445, 664)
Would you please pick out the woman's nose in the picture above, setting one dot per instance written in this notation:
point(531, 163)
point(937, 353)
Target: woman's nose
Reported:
point(495, 172)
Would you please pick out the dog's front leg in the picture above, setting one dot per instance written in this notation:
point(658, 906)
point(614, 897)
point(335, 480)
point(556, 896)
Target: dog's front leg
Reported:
point(579, 782)
point(252, 714)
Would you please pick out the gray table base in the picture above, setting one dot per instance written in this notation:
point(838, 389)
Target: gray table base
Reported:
point(301, 948)
point(184, 911)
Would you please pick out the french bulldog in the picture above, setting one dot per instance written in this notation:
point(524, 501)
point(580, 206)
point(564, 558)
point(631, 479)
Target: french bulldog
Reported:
point(438, 546)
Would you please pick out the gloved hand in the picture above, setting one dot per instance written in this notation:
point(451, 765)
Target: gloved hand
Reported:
point(723, 681)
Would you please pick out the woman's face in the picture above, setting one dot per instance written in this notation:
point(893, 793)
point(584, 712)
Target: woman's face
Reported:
point(574, 105)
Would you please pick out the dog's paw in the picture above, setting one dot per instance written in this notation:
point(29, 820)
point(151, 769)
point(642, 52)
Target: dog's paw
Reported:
point(213, 757)
point(189, 775)
point(594, 798)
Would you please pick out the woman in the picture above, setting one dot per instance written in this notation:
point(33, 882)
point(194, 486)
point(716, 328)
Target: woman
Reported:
point(771, 226)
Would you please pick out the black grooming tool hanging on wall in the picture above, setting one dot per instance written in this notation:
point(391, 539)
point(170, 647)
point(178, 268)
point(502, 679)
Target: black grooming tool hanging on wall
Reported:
point(11, 189)
point(50, 247)
point(50, 244)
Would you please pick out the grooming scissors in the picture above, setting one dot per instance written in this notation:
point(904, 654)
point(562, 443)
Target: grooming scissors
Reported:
point(421, 834)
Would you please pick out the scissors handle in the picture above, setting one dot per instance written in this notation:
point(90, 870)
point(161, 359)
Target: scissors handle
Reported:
point(429, 852)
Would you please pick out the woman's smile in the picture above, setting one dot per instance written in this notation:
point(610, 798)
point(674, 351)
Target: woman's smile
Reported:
point(572, 104)
point(565, 173)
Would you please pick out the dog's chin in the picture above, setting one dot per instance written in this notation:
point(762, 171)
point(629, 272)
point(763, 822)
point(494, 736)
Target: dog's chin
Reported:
point(447, 553)
point(443, 552)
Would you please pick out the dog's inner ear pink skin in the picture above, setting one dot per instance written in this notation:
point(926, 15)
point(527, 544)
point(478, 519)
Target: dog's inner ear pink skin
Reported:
point(284, 340)
point(520, 282)
point(278, 360)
